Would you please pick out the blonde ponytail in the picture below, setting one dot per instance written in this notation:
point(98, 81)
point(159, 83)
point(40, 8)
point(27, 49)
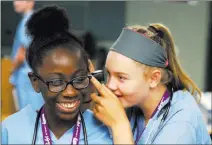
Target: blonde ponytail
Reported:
point(180, 80)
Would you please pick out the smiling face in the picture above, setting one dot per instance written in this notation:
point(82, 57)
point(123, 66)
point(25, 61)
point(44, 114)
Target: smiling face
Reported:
point(62, 65)
point(126, 79)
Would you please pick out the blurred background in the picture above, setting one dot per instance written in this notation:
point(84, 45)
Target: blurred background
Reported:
point(99, 24)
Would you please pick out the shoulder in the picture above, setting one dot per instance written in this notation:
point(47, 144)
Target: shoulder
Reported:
point(20, 122)
point(185, 117)
point(182, 132)
point(27, 113)
point(184, 107)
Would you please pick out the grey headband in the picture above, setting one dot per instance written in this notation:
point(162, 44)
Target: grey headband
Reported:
point(140, 48)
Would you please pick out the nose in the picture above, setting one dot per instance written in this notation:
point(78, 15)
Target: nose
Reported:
point(112, 84)
point(70, 91)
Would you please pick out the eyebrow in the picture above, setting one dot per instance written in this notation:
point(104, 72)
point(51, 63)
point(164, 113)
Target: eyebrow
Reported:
point(117, 72)
point(122, 73)
point(56, 73)
point(79, 71)
point(73, 74)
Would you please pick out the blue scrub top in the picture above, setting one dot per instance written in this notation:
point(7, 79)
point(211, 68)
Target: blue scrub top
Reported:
point(19, 128)
point(183, 125)
point(25, 92)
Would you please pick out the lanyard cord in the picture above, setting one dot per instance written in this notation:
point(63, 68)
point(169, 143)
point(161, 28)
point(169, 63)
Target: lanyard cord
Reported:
point(84, 129)
point(164, 111)
point(168, 105)
point(135, 124)
point(36, 128)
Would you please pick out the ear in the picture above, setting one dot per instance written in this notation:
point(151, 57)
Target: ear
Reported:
point(155, 78)
point(34, 81)
point(91, 66)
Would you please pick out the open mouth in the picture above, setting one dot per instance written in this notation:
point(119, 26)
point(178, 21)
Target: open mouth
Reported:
point(68, 106)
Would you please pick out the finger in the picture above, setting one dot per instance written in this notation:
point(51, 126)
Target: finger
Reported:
point(92, 104)
point(96, 99)
point(94, 110)
point(96, 83)
point(109, 92)
point(98, 108)
point(98, 86)
point(91, 66)
point(97, 114)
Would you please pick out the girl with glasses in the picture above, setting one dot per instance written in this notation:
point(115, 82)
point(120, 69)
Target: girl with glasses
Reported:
point(60, 71)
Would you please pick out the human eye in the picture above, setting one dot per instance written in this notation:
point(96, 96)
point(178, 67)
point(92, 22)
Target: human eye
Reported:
point(122, 78)
point(56, 82)
point(80, 79)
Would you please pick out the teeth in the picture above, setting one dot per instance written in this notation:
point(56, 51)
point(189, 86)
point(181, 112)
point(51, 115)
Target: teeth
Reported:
point(69, 105)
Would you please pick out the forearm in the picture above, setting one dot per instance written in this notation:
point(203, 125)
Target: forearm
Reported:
point(122, 134)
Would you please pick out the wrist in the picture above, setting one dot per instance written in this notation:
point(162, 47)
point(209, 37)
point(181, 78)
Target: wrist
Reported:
point(120, 127)
point(120, 124)
point(122, 133)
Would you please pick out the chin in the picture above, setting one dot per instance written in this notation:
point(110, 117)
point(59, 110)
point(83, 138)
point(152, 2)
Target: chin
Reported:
point(68, 117)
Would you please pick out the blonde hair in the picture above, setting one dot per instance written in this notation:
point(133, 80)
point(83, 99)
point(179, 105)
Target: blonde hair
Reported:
point(174, 74)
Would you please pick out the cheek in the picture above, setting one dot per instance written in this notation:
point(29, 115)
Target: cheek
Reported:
point(134, 91)
point(86, 93)
point(47, 95)
point(129, 90)
point(129, 95)
point(130, 86)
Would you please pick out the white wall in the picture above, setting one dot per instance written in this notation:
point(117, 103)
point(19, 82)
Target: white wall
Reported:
point(188, 25)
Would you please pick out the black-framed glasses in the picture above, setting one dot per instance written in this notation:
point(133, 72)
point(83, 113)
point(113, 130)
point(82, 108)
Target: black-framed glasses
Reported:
point(59, 85)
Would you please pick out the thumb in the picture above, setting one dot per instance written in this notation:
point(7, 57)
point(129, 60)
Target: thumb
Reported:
point(91, 66)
